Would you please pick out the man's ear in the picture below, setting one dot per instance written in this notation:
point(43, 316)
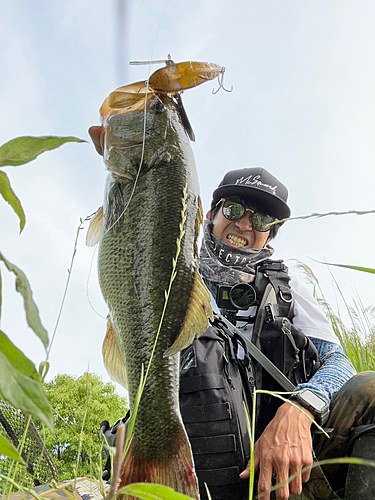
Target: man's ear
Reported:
point(208, 214)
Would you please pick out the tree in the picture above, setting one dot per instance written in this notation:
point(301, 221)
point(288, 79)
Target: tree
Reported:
point(79, 406)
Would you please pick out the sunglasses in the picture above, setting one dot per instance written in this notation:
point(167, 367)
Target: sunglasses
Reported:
point(234, 210)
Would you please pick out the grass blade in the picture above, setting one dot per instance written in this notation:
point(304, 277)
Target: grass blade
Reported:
point(347, 266)
point(316, 214)
point(149, 491)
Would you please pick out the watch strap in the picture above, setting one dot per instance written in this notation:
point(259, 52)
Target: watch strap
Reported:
point(321, 416)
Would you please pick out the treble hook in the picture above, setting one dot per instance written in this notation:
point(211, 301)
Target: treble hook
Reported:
point(220, 79)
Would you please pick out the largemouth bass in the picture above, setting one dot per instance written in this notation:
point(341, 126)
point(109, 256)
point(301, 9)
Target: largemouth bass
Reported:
point(151, 202)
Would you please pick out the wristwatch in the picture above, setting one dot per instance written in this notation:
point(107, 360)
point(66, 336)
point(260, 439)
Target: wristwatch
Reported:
point(314, 403)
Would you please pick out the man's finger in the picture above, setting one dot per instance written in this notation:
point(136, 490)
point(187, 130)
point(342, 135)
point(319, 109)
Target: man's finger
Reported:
point(246, 473)
point(282, 476)
point(295, 486)
point(306, 476)
point(265, 479)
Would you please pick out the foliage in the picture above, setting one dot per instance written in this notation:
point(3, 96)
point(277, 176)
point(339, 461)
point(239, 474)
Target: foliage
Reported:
point(25, 149)
point(20, 383)
point(9, 450)
point(319, 215)
point(150, 491)
point(79, 407)
point(81, 404)
point(357, 340)
point(18, 152)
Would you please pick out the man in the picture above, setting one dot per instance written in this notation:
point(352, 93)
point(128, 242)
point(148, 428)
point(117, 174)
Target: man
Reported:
point(236, 241)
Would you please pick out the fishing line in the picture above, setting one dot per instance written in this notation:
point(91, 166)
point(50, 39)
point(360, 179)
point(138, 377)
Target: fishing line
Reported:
point(141, 162)
point(138, 172)
point(80, 227)
point(87, 286)
point(144, 123)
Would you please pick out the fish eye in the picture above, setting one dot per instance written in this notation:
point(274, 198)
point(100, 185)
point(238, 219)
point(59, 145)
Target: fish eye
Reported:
point(159, 107)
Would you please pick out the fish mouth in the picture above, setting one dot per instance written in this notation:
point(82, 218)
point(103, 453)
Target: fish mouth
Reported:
point(237, 241)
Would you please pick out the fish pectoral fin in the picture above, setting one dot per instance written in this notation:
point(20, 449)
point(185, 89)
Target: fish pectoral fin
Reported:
point(196, 319)
point(198, 222)
point(94, 231)
point(113, 358)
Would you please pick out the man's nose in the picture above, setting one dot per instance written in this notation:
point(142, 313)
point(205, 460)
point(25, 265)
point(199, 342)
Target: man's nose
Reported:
point(244, 224)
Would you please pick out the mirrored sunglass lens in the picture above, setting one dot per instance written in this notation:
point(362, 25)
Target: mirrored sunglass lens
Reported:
point(232, 210)
point(260, 221)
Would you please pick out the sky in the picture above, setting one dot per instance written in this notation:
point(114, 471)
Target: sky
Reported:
point(302, 106)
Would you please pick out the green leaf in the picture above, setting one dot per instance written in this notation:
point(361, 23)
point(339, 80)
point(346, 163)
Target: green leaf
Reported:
point(32, 313)
point(24, 149)
point(17, 358)
point(150, 491)
point(9, 450)
point(346, 266)
point(24, 393)
point(8, 194)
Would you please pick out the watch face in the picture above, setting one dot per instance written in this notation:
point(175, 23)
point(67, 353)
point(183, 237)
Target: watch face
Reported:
point(312, 399)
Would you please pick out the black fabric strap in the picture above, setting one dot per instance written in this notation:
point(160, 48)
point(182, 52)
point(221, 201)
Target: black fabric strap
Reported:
point(272, 265)
point(219, 477)
point(201, 383)
point(213, 444)
point(207, 413)
point(257, 354)
point(276, 272)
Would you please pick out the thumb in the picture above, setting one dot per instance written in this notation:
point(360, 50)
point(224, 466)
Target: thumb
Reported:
point(246, 473)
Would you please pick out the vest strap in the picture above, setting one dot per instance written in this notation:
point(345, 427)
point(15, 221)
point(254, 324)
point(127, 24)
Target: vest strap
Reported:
point(213, 444)
point(220, 477)
point(201, 383)
point(207, 413)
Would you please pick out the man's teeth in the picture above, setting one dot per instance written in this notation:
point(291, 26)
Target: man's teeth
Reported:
point(234, 240)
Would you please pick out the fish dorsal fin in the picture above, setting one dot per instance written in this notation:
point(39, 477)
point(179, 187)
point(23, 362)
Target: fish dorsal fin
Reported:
point(196, 319)
point(94, 231)
point(113, 358)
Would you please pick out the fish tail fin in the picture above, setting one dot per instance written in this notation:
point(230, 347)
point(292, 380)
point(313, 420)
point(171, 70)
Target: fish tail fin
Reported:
point(176, 471)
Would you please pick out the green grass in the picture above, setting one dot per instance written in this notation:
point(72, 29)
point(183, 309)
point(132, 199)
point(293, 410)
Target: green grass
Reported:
point(357, 338)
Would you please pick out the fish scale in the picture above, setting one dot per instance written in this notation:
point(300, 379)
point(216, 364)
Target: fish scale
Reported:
point(148, 265)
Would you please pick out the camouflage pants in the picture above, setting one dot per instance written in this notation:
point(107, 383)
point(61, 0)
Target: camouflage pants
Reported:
point(352, 407)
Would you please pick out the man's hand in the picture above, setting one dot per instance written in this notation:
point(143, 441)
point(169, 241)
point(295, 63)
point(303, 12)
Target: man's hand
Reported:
point(285, 447)
point(97, 136)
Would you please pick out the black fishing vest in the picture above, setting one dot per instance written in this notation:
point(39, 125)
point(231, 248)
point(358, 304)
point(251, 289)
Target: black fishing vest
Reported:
point(214, 386)
point(214, 383)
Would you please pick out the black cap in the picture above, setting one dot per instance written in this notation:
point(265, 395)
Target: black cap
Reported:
point(257, 185)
